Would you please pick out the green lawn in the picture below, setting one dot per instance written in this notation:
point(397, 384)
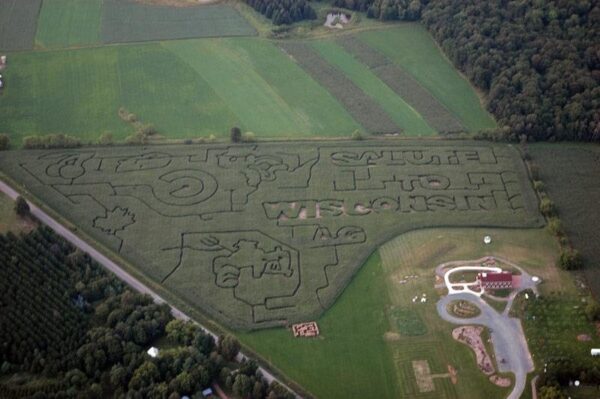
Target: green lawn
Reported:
point(402, 113)
point(354, 357)
point(66, 23)
point(410, 46)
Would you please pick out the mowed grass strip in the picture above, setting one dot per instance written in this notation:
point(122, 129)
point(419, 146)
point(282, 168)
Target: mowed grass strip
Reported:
point(125, 21)
point(267, 92)
point(66, 23)
point(404, 85)
point(411, 47)
point(18, 22)
point(363, 108)
point(403, 114)
point(79, 92)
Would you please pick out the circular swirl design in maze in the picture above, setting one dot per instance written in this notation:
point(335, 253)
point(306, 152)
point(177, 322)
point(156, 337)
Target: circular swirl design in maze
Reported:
point(185, 187)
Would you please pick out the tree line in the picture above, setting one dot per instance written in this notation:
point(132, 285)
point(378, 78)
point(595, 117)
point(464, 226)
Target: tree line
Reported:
point(75, 331)
point(538, 62)
point(284, 12)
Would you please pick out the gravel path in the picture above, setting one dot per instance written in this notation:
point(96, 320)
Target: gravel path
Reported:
point(118, 271)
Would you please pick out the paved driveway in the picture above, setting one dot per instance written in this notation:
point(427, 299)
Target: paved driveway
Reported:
point(507, 336)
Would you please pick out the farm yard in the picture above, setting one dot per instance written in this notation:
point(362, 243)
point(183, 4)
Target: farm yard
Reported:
point(326, 206)
point(363, 318)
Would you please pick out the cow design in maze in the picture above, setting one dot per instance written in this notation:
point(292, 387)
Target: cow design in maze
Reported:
point(267, 234)
point(258, 270)
point(247, 254)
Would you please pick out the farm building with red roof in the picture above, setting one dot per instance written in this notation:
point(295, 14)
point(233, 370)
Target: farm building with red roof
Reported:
point(495, 281)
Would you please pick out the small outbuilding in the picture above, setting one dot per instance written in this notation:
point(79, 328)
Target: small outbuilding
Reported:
point(153, 352)
point(207, 393)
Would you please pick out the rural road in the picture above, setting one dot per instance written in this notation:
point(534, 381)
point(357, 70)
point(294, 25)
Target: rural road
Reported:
point(119, 272)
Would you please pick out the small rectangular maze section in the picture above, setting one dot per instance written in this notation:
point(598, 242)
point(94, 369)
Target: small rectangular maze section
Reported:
point(364, 109)
point(403, 84)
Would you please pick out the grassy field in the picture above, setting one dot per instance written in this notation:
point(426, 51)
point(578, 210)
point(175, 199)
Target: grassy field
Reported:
point(18, 21)
point(74, 92)
point(269, 94)
point(364, 353)
point(410, 46)
point(403, 84)
point(363, 108)
point(570, 176)
point(185, 88)
point(403, 115)
point(134, 22)
point(213, 85)
point(67, 23)
point(258, 235)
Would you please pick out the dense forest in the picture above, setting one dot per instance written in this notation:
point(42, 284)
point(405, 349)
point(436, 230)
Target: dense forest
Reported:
point(68, 329)
point(284, 11)
point(538, 62)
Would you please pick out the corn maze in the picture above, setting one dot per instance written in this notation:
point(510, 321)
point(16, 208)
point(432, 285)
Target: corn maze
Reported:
point(268, 234)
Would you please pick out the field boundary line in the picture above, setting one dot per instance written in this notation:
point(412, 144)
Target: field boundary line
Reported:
point(122, 274)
